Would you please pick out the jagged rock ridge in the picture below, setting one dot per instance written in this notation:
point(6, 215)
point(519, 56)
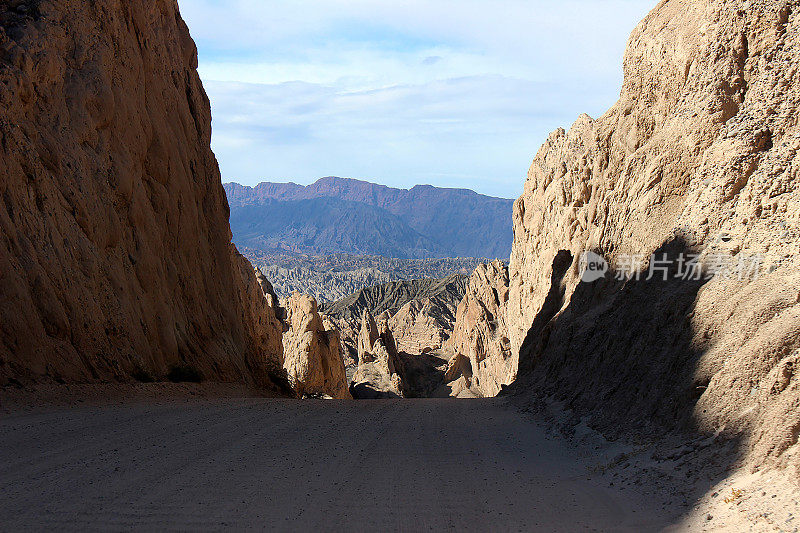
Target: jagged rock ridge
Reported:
point(334, 277)
point(390, 297)
point(428, 306)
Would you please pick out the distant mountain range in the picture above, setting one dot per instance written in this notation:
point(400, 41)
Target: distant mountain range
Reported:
point(358, 217)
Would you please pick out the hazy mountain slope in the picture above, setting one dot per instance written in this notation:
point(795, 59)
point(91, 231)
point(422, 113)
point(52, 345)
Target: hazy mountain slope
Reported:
point(322, 225)
point(333, 277)
point(460, 222)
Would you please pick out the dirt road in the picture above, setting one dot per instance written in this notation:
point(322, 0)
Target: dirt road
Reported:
point(414, 465)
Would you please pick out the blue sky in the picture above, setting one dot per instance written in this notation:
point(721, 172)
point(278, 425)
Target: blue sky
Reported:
point(444, 92)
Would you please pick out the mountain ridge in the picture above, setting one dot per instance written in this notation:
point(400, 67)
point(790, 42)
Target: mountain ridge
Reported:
point(451, 222)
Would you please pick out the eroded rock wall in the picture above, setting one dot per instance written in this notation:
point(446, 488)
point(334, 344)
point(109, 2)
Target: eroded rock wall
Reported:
point(115, 254)
point(422, 326)
point(481, 333)
point(698, 157)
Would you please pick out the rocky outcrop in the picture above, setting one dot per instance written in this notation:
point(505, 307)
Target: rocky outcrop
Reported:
point(115, 256)
point(367, 335)
point(480, 332)
point(379, 372)
point(422, 326)
point(696, 164)
point(313, 354)
point(272, 299)
point(426, 323)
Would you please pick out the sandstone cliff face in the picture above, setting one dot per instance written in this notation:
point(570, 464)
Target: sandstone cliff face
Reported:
point(313, 354)
point(115, 257)
point(699, 156)
point(480, 332)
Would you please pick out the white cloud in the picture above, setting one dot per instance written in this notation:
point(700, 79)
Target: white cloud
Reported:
point(453, 93)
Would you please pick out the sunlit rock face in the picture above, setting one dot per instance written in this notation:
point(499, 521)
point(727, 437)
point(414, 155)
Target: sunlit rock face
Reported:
point(312, 352)
point(481, 333)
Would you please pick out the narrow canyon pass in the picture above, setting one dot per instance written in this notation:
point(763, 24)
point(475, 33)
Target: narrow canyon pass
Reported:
point(645, 334)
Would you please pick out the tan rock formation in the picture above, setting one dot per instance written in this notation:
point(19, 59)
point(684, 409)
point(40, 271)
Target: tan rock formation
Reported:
point(379, 368)
point(313, 354)
point(385, 334)
point(367, 335)
point(421, 325)
point(481, 333)
point(699, 156)
point(115, 258)
point(458, 379)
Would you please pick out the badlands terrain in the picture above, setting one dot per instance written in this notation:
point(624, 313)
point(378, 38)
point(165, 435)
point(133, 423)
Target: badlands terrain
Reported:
point(329, 278)
point(632, 367)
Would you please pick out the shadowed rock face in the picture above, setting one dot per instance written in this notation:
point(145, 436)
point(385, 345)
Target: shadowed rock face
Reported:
point(115, 257)
point(699, 156)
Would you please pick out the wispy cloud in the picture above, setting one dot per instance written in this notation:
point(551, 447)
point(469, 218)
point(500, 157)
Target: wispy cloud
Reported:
point(442, 92)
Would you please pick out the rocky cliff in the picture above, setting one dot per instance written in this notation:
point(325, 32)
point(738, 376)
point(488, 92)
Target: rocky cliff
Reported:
point(116, 256)
point(686, 191)
point(480, 332)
